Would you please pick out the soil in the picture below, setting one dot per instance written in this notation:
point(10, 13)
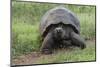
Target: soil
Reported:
point(26, 59)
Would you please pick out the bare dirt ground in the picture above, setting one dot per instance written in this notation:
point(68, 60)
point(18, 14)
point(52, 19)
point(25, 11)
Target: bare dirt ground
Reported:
point(26, 59)
point(33, 57)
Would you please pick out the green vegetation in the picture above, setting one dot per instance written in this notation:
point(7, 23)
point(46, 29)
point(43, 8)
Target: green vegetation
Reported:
point(26, 17)
point(71, 55)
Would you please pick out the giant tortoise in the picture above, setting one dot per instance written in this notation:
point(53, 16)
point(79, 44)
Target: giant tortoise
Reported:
point(60, 27)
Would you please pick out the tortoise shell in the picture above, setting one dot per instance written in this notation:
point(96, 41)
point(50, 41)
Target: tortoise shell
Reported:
point(58, 15)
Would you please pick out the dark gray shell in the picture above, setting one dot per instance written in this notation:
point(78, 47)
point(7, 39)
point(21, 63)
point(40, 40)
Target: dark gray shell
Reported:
point(58, 15)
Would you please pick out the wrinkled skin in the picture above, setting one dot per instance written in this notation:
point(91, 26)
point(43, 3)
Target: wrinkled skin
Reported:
point(61, 36)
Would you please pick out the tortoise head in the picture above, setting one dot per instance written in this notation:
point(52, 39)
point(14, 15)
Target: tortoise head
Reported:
point(58, 33)
point(62, 32)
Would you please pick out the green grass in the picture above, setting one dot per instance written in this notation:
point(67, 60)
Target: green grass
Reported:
point(71, 55)
point(87, 22)
point(26, 17)
point(25, 38)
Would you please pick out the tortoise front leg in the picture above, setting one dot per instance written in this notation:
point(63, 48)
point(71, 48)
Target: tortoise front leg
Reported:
point(77, 40)
point(66, 43)
point(47, 44)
